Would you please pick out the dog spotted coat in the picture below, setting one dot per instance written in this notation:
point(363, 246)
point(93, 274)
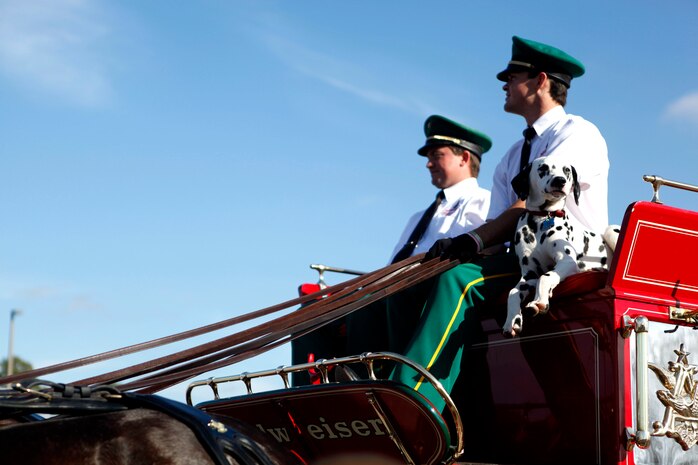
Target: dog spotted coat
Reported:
point(549, 244)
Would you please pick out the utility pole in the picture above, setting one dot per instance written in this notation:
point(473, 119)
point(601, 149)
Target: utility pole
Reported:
point(10, 356)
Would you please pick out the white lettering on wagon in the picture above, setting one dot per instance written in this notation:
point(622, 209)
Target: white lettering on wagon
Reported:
point(323, 429)
point(280, 434)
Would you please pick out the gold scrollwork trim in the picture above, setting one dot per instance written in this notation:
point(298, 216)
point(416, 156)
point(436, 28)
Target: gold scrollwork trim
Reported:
point(680, 400)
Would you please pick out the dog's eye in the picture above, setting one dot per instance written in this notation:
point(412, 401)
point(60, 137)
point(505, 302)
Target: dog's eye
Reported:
point(543, 170)
point(567, 171)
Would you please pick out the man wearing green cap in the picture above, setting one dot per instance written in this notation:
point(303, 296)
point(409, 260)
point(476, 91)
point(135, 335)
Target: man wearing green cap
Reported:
point(536, 82)
point(453, 152)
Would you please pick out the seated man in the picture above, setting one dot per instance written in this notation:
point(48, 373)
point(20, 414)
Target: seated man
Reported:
point(453, 152)
point(536, 82)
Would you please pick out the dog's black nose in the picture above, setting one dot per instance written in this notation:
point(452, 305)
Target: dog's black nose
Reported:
point(558, 182)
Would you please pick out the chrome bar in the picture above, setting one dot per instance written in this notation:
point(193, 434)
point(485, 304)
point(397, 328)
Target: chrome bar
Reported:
point(658, 182)
point(641, 437)
point(389, 427)
point(322, 365)
point(248, 382)
point(336, 270)
point(322, 268)
point(284, 376)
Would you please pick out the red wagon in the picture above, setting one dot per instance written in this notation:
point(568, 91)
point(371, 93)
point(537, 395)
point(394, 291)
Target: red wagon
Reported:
point(606, 377)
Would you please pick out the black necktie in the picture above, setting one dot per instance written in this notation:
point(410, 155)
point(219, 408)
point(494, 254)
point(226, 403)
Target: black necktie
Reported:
point(529, 133)
point(419, 230)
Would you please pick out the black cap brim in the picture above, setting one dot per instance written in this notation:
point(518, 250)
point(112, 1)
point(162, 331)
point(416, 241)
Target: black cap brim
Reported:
point(504, 75)
point(431, 143)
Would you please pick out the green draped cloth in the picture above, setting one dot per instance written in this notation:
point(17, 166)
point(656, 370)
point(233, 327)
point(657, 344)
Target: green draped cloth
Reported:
point(449, 320)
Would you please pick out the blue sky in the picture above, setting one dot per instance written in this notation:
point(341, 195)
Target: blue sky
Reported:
point(167, 165)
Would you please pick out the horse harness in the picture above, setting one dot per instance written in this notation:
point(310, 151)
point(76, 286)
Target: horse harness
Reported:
point(39, 396)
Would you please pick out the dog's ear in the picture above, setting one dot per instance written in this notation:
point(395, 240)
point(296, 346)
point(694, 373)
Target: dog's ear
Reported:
point(521, 182)
point(576, 189)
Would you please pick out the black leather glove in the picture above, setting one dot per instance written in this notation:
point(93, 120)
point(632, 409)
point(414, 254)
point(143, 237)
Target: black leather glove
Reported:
point(462, 247)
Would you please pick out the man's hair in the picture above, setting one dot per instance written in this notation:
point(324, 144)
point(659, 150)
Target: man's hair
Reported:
point(558, 91)
point(474, 162)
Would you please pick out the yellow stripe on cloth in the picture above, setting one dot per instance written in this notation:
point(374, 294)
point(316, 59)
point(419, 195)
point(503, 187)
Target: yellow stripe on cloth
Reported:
point(453, 319)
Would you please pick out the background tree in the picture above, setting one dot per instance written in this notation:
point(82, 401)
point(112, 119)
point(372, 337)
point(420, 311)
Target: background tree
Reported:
point(19, 366)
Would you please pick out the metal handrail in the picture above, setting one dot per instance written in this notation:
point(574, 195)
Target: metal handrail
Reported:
point(641, 436)
point(658, 182)
point(322, 268)
point(323, 365)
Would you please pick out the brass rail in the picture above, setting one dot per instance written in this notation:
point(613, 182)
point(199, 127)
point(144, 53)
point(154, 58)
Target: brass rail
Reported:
point(658, 182)
point(322, 367)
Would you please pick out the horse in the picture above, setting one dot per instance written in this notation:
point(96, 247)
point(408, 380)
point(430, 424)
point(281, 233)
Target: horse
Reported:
point(103, 426)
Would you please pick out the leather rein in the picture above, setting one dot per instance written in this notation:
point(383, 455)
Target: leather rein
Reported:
point(316, 310)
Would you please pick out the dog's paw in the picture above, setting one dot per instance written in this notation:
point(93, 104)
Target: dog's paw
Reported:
point(538, 307)
point(513, 327)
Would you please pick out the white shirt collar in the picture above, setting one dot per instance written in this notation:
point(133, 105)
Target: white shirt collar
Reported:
point(458, 190)
point(548, 119)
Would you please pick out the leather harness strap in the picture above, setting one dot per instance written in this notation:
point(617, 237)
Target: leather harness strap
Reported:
point(336, 293)
point(321, 308)
point(165, 340)
point(290, 329)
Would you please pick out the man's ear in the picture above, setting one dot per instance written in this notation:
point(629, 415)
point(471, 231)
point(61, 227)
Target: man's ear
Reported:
point(466, 157)
point(542, 81)
point(521, 182)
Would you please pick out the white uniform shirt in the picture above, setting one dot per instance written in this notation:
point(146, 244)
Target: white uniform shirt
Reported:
point(575, 141)
point(464, 208)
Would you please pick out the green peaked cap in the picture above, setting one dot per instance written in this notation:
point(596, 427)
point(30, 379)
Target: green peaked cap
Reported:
point(443, 131)
point(529, 55)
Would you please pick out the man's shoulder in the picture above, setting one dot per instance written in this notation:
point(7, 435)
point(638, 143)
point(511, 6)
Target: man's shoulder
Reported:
point(574, 122)
point(574, 127)
point(482, 192)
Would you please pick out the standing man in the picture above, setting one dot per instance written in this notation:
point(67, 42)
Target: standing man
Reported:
point(536, 82)
point(453, 154)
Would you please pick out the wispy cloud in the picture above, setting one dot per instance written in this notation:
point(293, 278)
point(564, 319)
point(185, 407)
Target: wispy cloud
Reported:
point(37, 293)
point(684, 109)
point(341, 75)
point(58, 296)
point(51, 46)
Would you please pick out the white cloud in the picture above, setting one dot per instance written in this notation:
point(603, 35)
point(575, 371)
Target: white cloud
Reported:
point(50, 45)
point(684, 109)
point(340, 75)
point(40, 294)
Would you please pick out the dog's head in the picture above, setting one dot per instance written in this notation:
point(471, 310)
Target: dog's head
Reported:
point(545, 184)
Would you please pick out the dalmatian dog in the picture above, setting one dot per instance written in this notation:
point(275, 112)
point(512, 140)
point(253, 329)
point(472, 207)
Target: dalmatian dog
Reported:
point(550, 245)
